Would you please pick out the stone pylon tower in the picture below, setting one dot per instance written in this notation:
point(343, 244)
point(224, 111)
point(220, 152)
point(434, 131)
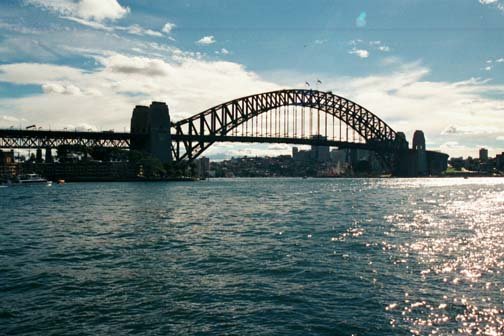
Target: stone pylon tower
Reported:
point(420, 154)
point(151, 125)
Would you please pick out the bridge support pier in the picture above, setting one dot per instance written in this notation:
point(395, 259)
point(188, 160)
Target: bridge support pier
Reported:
point(150, 127)
point(38, 157)
point(418, 161)
point(48, 155)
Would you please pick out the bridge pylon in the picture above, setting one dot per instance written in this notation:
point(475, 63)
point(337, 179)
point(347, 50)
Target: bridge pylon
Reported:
point(150, 129)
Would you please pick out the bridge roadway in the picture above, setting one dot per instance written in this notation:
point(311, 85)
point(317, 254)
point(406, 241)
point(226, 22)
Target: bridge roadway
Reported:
point(33, 139)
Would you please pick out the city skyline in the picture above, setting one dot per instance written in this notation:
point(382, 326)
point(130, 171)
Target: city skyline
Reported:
point(417, 65)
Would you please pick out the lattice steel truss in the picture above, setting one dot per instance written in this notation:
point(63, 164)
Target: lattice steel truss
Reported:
point(43, 139)
point(194, 135)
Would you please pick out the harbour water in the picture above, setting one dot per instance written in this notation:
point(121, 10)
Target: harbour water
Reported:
point(254, 257)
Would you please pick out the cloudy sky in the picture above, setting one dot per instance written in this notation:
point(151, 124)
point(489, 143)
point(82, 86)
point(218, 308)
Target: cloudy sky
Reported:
point(418, 64)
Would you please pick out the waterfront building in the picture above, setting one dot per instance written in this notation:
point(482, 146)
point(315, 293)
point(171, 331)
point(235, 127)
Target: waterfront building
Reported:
point(8, 166)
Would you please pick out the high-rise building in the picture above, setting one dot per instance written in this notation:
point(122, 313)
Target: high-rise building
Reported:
point(483, 154)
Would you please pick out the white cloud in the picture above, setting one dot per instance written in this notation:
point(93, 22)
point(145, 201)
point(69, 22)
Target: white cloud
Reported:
point(107, 95)
point(134, 29)
point(206, 40)
point(500, 60)
point(488, 68)
point(139, 30)
point(5, 119)
point(497, 3)
point(95, 10)
point(61, 89)
point(407, 101)
point(457, 111)
point(223, 51)
point(17, 27)
point(378, 45)
point(362, 53)
point(358, 46)
point(469, 130)
point(91, 24)
point(168, 27)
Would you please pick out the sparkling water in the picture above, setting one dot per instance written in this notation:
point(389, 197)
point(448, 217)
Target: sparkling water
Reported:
point(254, 257)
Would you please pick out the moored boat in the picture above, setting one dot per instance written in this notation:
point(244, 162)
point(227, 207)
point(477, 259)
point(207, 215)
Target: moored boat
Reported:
point(31, 179)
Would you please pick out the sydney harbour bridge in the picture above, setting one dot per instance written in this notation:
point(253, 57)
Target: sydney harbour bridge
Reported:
point(293, 116)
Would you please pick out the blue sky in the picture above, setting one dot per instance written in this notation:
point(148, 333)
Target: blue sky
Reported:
point(418, 64)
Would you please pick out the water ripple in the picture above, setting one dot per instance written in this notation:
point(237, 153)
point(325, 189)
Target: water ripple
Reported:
point(254, 257)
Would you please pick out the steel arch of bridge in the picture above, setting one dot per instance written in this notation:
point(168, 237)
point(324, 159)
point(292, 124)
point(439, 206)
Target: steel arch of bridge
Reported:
point(193, 135)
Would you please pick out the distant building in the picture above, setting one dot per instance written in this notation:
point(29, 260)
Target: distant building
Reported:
point(317, 153)
point(320, 153)
point(457, 162)
point(202, 167)
point(6, 157)
point(8, 166)
point(499, 161)
point(303, 155)
point(483, 154)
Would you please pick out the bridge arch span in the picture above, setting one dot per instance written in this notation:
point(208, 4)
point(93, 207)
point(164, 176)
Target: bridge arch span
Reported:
point(193, 135)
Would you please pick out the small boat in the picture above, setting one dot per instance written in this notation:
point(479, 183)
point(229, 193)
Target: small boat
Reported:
point(31, 179)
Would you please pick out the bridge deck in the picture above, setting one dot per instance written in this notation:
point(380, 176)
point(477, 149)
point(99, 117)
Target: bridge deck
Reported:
point(19, 139)
point(32, 139)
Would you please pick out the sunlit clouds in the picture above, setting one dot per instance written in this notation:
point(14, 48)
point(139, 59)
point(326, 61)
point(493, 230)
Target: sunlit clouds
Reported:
point(95, 10)
point(104, 57)
point(206, 40)
point(362, 53)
